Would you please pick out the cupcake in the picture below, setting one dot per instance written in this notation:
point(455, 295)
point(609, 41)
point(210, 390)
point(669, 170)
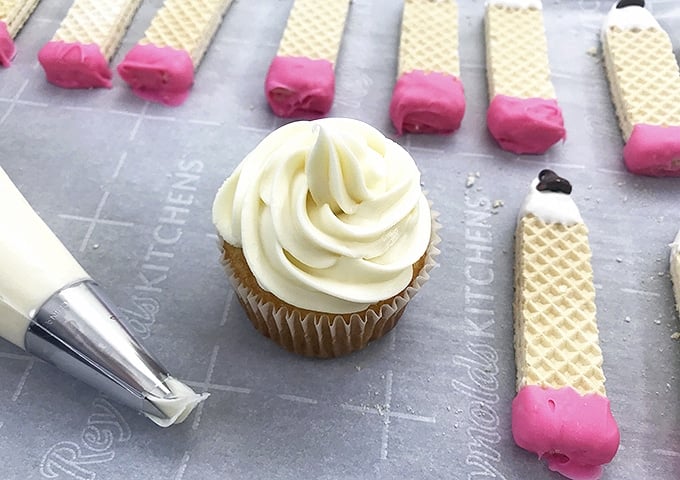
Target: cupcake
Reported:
point(326, 235)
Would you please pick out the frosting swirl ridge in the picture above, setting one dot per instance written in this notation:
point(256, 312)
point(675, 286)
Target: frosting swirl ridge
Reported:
point(329, 214)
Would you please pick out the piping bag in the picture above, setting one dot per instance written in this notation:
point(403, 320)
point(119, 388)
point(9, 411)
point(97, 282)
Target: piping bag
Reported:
point(50, 307)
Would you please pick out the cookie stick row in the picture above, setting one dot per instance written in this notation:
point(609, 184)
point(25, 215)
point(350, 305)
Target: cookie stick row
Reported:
point(79, 53)
point(159, 68)
point(428, 95)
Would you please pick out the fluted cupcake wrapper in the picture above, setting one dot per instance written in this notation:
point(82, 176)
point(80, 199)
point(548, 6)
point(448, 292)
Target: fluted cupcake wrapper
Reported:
point(324, 335)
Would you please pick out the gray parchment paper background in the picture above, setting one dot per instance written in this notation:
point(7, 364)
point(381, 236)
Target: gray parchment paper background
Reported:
point(429, 401)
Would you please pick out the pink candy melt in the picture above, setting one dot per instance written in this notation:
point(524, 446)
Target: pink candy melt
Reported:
point(577, 434)
point(427, 103)
point(525, 125)
point(653, 150)
point(7, 49)
point(300, 87)
point(158, 74)
point(75, 65)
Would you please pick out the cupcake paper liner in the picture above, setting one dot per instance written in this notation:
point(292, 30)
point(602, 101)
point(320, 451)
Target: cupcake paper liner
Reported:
point(319, 334)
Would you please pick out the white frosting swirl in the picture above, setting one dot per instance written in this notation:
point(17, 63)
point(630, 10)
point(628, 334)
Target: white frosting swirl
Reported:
point(329, 214)
point(550, 207)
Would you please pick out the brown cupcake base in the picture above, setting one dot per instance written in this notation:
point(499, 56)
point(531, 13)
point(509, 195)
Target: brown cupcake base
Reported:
point(319, 334)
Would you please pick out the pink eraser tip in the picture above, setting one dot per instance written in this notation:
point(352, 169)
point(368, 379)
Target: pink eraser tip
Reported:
point(653, 150)
point(525, 125)
point(7, 48)
point(427, 103)
point(575, 433)
point(300, 87)
point(158, 74)
point(75, 65)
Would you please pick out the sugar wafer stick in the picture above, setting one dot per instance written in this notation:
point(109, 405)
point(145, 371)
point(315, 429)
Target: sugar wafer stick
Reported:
point(79, 53)
point(523, 116)
point(161, 67)
point(644, 81)
point(13, 16)
point(675, 269)
point(561, 411)
point(428, 96)
point(301, 78)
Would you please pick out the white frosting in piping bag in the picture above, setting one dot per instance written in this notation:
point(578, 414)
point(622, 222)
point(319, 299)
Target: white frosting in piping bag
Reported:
point(330, 215)
point(35, 264)
point(550, 207)
point(176, 408)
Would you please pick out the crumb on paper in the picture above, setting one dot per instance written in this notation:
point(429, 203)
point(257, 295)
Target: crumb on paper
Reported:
point(619, 259)
point(675, 336)
point(627, 319)
point(471, 179)
point(497, 204)
point(592, 51)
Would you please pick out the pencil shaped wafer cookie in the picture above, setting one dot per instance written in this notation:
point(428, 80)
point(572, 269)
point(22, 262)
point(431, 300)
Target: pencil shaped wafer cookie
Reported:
point(79, 53)
point(428, 96)
point(561, 411)
point(301, 78)
point(161, 67)
point(675, 269)
point(523, 115)
point(644, 82)
point(13, 15)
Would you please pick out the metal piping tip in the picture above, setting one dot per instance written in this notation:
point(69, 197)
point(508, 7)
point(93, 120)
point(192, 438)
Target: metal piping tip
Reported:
point(78, 331)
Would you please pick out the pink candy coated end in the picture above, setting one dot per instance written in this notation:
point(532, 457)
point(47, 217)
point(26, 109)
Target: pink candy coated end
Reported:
point(158, 74)
point(7, 48)
point(525, 125)
point(427, 103)
point(653, 150)
point(575, 433)
point(75, 65)
point(300, 87)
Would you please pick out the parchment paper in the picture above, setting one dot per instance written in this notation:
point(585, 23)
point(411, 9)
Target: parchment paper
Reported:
point(431, 400)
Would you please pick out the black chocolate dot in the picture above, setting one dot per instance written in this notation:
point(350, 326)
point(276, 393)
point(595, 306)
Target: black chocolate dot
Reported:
point(630, 3)
point(549, 180)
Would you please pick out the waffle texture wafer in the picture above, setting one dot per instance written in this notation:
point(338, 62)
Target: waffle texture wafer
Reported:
point(300, 81)
point(161, 67)
point(675, 269)
point(644, 81)
point(561, 411)
point(428, 96)
point(13, 16)
point(523, 115)
point(79, 53)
